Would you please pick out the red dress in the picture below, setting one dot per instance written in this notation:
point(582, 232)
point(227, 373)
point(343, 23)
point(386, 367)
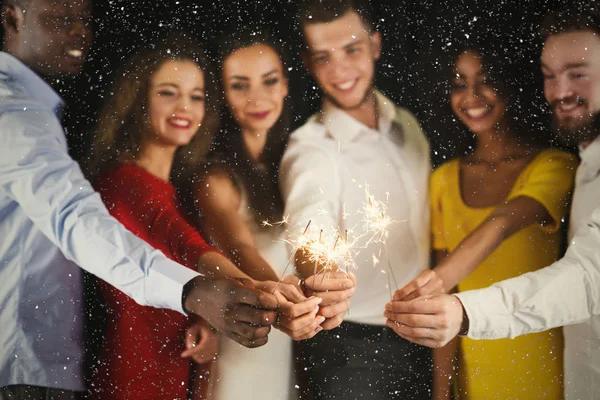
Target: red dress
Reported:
point(140, 358)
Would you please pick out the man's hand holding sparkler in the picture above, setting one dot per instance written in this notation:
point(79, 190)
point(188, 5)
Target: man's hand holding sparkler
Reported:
point(430, 321)
point(233, 307)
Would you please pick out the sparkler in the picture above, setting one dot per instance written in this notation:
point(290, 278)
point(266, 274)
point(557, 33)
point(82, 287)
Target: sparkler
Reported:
point(319, 252)
point(283, 221)
point(376, 223)
point(332, 250)
point(293, 256)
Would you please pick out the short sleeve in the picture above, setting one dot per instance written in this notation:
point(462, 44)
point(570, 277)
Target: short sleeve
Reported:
point(550, 182)
point(437, 185)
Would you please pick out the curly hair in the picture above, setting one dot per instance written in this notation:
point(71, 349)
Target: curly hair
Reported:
point(120, 125)
point(514, 78)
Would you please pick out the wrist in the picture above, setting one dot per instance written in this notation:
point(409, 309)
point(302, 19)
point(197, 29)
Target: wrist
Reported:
point(441, 272)
point(185, 296)
point(464, 325)
point(190, 296)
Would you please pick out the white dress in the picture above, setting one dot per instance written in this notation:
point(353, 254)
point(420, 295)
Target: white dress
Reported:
point(264, 373)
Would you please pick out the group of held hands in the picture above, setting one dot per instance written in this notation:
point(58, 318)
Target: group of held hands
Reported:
point(244, 310)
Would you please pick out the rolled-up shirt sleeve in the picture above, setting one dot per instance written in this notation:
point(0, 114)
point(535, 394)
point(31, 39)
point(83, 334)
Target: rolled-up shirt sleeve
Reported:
point(567, 292)
point(38, 174)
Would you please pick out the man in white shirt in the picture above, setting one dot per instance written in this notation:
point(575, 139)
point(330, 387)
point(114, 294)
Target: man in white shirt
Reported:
point(359, 140)
point(50, 219)
point(566, 292)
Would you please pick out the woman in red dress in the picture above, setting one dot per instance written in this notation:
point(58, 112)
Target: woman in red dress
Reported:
point(157, 110)
point(155, 125)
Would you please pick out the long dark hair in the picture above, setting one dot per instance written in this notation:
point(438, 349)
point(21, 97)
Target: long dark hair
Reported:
point(513, 70)
point(120, 125)
point(260, 180)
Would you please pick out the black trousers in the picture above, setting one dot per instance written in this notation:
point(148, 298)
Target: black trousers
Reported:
point(28, 392)
point(358, 361)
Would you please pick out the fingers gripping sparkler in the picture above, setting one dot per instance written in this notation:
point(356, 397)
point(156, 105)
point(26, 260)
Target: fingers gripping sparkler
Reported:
point(331, 251)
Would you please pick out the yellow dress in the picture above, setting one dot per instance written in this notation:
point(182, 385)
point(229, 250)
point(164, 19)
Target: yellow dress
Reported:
point(530, 366)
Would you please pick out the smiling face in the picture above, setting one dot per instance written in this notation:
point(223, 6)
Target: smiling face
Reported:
point(255, 87)
point(175, 104)
point(341, 57)
point(473, 98)
point(53, 37)
point(571, 68)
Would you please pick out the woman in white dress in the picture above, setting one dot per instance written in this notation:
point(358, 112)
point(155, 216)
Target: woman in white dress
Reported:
point(239, 203)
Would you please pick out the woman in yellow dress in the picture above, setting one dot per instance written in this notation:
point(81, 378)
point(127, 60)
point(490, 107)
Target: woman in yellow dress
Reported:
point(496, 214)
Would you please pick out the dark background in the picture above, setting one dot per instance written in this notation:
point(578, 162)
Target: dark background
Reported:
point(416, 36)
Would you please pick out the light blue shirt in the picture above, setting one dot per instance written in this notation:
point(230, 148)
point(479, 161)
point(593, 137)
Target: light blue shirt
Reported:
point(51, 220)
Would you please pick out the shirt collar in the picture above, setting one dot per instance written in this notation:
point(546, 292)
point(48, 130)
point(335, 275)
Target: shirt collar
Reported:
point(590, 155)
point(343, 128)
point(14, 73)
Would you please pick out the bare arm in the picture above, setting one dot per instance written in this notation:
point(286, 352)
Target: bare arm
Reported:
point(216, 265)
point(219, 200)
point(564, 293)
point(506, 220)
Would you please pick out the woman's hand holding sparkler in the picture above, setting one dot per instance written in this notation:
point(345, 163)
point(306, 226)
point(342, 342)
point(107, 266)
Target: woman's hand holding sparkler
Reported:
point(335, 288)
point(318, 261)
point(428, 282)
point(296, 314)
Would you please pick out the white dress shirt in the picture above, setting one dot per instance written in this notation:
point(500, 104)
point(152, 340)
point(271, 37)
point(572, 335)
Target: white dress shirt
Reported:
point(50, 220)
point(582, 341)
point(567, 292)
point(323, 174)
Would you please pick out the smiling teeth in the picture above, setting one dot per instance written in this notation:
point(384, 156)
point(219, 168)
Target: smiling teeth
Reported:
point(346, 85)
point(75, 53)
point(476, 112)
point(180, 123)
point(568, 107)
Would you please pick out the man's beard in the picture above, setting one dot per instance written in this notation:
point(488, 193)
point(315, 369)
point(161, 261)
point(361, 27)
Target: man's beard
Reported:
point(587, 129)
point(574, 131)
point(364, 99)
